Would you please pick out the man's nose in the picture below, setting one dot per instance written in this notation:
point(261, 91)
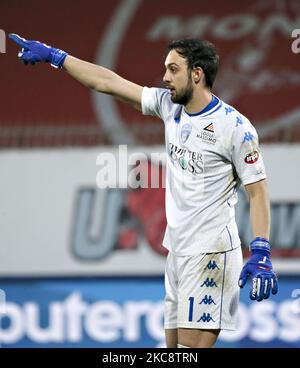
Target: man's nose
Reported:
point(166, 78)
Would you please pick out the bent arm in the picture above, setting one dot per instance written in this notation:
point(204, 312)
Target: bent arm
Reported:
point(259, 208)
point(104, 80)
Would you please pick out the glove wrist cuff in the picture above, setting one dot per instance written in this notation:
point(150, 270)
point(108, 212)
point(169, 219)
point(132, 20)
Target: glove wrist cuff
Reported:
point(260, 244)
point(57, 58)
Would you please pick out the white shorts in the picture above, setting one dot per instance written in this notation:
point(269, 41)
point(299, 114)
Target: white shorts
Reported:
point(202, 291)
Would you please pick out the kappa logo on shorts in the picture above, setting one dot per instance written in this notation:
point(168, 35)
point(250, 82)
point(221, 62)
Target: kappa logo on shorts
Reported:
point(206, 317)
point(209, 283)
point(207, 300)
point(212, 265)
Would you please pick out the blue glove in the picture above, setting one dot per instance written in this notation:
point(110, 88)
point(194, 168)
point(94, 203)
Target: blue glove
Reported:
point(259, 267)
point(35, 51)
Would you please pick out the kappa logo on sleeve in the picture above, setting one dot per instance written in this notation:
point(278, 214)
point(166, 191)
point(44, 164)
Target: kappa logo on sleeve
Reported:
point(248, 137)
point(252, 157)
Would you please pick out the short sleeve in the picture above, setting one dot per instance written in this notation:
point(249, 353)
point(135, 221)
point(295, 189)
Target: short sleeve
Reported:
point(154, 101)
point(246, 154)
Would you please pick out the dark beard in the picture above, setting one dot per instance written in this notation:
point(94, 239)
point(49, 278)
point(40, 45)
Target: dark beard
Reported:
point(183, 99)
point(186, 96)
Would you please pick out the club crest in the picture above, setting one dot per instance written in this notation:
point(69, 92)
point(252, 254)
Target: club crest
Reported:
point(185, 132)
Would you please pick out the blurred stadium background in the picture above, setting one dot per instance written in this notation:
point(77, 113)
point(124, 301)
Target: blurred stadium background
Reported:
point(83, 267)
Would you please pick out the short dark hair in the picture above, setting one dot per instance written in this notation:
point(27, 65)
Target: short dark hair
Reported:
point(198, 53)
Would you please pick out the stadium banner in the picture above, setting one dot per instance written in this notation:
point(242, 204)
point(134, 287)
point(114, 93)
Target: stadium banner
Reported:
point(128, 313)
point(258, 43)
point(57, 218)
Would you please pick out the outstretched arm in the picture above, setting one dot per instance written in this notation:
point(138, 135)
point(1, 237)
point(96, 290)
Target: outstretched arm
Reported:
point(104, 80)
point(90, 75)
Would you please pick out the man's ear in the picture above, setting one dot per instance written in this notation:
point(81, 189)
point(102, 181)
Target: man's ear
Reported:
point(198, 74)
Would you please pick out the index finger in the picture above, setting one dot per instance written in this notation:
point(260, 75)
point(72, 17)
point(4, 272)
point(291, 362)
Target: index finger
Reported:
point(18, 40)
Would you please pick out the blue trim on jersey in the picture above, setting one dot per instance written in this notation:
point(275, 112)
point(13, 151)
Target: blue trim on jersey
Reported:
point(214, 101)
point(215, 109)
point(178, 115)
point(222, 290)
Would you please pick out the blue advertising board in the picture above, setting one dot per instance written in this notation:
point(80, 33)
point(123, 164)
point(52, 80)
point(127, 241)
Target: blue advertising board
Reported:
point(128, 312)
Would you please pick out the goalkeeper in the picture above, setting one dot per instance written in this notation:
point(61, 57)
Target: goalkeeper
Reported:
point(211, 149)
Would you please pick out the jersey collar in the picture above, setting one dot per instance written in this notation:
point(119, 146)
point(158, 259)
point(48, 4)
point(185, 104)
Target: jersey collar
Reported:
point(207, 109)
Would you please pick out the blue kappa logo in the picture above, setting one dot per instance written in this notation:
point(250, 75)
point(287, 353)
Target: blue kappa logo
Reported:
point(228, 110)
point(206, 317)
point(239, 121)
point(207, 300)
point(212, 265)
point(248, 137)
point(209, 283)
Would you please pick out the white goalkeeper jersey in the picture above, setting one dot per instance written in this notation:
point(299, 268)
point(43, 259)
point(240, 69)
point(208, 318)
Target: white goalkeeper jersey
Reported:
point(208, 155)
